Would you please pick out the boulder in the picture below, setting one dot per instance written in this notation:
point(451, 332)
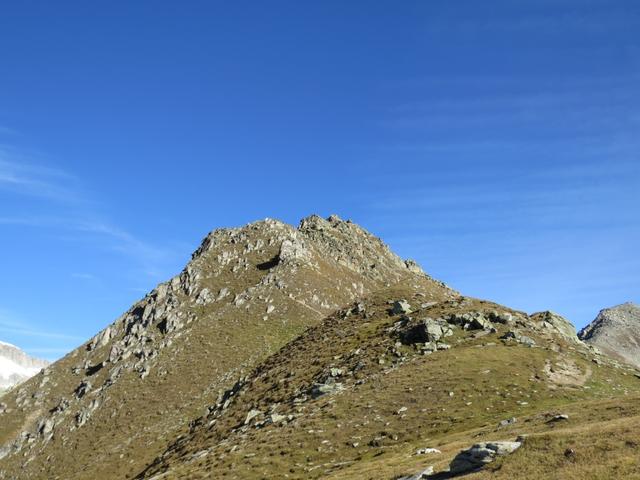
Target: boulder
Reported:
point(479, 322)
point(514, 335)
point(425, 330)
point(508, 421)
point(251, 415)
point(413, 266)
point(470, 321)
point(102, 339)
point(45, 427)
point(425, 451)
point(328, 388)
point(401, 307)
point(480, 454)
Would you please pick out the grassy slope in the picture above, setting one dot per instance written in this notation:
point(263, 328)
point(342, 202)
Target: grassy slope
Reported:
point(452, 398)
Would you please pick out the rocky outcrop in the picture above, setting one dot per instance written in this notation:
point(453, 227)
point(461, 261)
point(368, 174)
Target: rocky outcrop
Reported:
point(616, 332)
point(555, 323)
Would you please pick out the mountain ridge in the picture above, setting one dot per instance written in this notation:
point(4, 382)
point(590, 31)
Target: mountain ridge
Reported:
point(313, 352)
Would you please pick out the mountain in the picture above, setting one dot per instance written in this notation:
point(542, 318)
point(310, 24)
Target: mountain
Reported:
point(138, 383)
point(16, 366)
point(315, 352)
point(616, 332)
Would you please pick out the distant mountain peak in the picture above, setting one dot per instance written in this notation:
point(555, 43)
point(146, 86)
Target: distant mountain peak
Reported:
point(16, 366)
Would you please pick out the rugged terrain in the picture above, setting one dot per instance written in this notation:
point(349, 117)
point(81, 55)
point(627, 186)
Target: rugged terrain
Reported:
point(315, 352)
point(121, 398)
point(616, 332)
point(16, 366)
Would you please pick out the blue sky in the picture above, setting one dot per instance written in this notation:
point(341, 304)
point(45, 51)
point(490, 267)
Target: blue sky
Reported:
point(496, 142)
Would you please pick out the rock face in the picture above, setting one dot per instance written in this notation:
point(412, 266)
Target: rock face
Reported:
point(16, 366)
point(616, 332)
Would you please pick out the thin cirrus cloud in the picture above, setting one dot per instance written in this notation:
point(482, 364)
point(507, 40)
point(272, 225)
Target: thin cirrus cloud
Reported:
point(11, 323)
point(52, 202)
point(19, 176)
point(61, 192)
point(599, 19)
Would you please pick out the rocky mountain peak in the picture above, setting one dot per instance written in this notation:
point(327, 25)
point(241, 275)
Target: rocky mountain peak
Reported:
point(616, 332)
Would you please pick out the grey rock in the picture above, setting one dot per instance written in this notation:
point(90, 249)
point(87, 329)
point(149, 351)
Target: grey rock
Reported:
point(400, 307)
point(479, 322)
point(45, 427)
point(277, 418)
point(63, 404)
point(514, 335)
point(426, 451)
point(552, 321)
point(253, 413)
point(424, 331)
point(504, 318)
point(205, 297)
point(558, 418)
point(294, 250)
point(82, 389)
point(413, 266)
point(170, 323)
point(508, 421)
point(328, 388)
point(102, 339)
point(480, 454)
point(470, 321)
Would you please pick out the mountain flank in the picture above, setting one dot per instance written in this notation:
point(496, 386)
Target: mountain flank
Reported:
point(315, 352)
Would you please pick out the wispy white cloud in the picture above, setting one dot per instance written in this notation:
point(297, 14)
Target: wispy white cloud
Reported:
point(20, 176)
point(47, 353)
point(31, 333)
point(84, 276)
point(10, 323)
point(54, 204)
point(123, 241)
point(74, 211)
